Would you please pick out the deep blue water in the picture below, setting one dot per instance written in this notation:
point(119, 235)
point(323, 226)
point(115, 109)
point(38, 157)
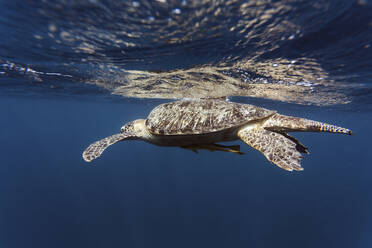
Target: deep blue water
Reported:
point(139, 195)
point(60, 60)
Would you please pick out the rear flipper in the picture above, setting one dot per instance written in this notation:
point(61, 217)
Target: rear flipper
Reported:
point(283, 123)
point(281, 150)
point(214, 147)
point(299, 147)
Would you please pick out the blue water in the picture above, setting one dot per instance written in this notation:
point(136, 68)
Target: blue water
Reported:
point(60, 60)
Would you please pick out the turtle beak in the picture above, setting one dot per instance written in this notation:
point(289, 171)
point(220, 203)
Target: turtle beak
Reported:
point(122, 129)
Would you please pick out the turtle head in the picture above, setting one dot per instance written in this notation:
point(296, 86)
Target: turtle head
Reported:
point(131, 131)
point(135, 128)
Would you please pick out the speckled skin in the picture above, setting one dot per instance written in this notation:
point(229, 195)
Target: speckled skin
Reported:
point(283, 123)
point(95, 150)
point(276, 147)
point(197, 124)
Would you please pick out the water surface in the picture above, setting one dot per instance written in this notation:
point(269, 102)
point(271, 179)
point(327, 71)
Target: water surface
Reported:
point(297, 57)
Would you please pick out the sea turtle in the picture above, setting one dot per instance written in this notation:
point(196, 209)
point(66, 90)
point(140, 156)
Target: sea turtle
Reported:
point(200, 124)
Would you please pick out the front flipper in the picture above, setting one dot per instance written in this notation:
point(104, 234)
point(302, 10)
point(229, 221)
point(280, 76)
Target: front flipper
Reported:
point(95, 150)
point(277, 148)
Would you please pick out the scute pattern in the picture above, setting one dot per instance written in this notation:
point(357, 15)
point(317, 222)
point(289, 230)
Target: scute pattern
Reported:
point(201, 116)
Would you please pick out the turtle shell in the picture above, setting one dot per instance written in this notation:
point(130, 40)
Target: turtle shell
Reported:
point(202, 116)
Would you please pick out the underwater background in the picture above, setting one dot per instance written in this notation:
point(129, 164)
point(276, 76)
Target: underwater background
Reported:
point(73, 72)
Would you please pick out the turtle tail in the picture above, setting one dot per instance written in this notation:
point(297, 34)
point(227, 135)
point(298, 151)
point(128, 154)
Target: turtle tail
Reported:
point(282, 123)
